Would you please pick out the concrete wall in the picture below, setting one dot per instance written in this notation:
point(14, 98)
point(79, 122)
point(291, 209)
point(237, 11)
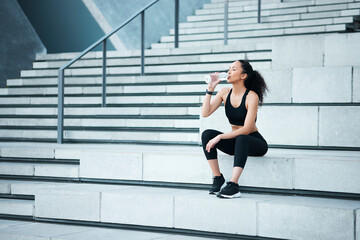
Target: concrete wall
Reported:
point(63, 25)
point(158, 19)
point(17, 52)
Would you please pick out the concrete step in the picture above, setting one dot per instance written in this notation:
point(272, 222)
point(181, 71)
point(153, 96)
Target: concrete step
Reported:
point(170, 52)
point(132, 111)
point(38, 168)
point(258, 214)
point(16, 207)
point(286, 85)
point(312, 125)
point(99, 122)
point(271, 10)
point(263, 26)
point(276, 7)
point(153, 88)
point(184, 59)
point(282, 169)
point(91, 80)
point(236, 4)
point(195, 44)
point(98, 99)
point(314, 129)
point(104, 135)
point(15, 230)
point(217, 20)
point(276, 4)
point(161, 69)
point(258, 33)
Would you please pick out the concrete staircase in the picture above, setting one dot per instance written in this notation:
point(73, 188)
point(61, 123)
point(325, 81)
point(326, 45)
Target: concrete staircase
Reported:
point(151, 173)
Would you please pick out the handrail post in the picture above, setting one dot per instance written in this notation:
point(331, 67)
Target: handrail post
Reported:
point(226, 18)
point(142, 43)
point(259, 11)
point(60, 127)
point(176, 23)
point(104, 75)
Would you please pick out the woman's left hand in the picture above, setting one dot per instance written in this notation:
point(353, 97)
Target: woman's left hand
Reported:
point(212, 142)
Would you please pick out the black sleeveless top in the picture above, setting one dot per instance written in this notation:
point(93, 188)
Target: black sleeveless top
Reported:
point(237, 115)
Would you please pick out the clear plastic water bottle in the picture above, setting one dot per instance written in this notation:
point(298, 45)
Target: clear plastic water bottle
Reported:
point(222, 76)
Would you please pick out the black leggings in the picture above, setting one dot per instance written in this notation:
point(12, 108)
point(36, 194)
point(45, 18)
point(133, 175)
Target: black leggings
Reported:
point(242, 146)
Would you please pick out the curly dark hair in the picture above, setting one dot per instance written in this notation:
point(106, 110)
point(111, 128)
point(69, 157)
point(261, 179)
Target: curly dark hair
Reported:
point(254, 81)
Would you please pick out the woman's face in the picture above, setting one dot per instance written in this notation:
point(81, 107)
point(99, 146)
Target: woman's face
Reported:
point(235, 72)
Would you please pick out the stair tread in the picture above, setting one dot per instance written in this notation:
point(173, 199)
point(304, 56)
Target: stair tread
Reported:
point(272, 152)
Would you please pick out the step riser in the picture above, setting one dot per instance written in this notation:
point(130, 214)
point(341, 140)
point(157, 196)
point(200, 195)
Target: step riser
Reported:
point(160, 60)
point(301, 12)
point(175, 137)
point(276, 8)
point(268, 19)
point(312, 126)
point(301, 23)
point(193, 68)
point(103, 111)
point(98, 100)
point(286, 86)
point(17, 207)
point(301, 171)
point(176, 123)
point(250, 46)
point(253, 6)
point(38, 170)
point(254, 213)
point(257, 33)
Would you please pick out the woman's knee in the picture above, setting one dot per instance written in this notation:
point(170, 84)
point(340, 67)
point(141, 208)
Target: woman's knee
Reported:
point(242, 138)
point(208, 134)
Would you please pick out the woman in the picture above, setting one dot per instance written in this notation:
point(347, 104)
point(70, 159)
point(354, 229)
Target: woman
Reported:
point(241, 104)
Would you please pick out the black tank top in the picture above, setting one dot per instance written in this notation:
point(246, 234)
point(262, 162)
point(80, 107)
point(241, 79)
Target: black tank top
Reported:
point(237, 115)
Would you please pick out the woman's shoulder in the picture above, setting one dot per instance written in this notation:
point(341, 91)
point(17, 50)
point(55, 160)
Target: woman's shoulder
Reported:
point(253, 96)
point(224, 90)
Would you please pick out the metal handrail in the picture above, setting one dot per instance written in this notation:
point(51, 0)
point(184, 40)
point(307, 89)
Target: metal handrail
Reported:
point(60, 126)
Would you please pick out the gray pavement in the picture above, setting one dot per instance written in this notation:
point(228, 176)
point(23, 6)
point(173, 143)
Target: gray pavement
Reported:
point(17, 230)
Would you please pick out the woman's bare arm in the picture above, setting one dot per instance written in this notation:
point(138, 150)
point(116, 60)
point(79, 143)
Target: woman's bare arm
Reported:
point(209, 106)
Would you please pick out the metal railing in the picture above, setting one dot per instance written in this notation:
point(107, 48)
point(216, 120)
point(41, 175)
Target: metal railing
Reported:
point(103, 40)
point(226, 18)
point(61, 75)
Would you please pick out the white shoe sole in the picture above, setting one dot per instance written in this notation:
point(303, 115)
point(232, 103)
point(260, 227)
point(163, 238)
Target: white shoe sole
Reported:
point(236, 195)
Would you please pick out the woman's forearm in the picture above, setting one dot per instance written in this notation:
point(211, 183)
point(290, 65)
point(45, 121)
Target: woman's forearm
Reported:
point(235, 133)
point(205, 109)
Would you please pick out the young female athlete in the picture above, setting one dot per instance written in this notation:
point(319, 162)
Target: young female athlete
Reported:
point(241, 105)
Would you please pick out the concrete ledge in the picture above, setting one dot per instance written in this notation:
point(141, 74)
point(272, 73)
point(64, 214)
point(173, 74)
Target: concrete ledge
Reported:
point(16, 207)
point(312, 125)
point(279, 168)
point(322, 84)
point(335, 174)
point(139, 206)
point(257, 215)
point(333, 131)
point(303, 218)
point(78, 202)
point(111, 165)
point(321, 50)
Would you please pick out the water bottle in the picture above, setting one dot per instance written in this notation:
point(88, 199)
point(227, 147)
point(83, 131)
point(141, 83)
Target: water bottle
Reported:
point(222, 76)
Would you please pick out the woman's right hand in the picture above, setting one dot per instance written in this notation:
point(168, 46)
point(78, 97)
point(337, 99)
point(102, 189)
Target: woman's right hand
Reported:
point(214, 81)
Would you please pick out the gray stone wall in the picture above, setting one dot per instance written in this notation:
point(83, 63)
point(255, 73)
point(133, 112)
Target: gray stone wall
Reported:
point(19, 43)
point(159, 18)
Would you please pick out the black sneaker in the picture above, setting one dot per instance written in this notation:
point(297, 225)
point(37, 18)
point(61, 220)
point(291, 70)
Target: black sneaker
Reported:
point(217, 183)
point(231, 190)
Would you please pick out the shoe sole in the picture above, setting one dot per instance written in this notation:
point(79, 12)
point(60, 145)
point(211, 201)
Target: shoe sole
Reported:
point(213, 193)
point(236, 195)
